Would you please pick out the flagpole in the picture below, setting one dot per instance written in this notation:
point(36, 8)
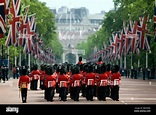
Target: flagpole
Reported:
point(20, 58)
point(138, 63)
point(8, 57)
point(125, 62)
point(29, 60)
point(146, 59)
point(132, 65)
point(2, 52)
point(15, 57)
point(120, 61)
point(131, 60)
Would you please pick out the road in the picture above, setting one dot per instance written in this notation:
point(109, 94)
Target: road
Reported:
point(132, 92)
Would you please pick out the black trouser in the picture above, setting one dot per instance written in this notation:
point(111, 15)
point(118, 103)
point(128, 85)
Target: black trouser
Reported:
point(46, 93)
point(63, 93)
point(108, 91)
point(24, 94)
point(71, 92)
point(89, 92)
point(115, 92)
point(112, 93)
point(57, 87)
point(95, 90)
point(50, 93)
point(76, 93)
point(34, 84)
point(3, 75)
point(102, 93)
point(42, 86)
point(6, 76)
point(83, 90)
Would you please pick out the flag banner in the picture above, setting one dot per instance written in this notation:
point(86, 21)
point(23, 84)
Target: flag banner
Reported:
point(22, 29)
point(14, 22)
point(147, 43)
point(2, 19)
point(29, 33)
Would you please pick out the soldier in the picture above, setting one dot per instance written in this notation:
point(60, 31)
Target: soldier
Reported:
point(23, 84)
point(102, 84)
point(76, 81)
point(42, 76)
point(50, 83)
point(115, 78)
point(80, 61)
point(83, 83)
point(35, 76)
point(99, 61)
point(109, 73)
point(90, 82)
point(63, 84)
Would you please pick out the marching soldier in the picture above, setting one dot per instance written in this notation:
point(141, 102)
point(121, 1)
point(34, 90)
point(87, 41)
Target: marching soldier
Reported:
point(115, 78)
point(99, 61)
point(24, 80)
point(109, 73)
point(76, 81)
point(71, 83)
point(50, 83)
point(90, 82)
point(83, 83)
point(42, 76)
point(63, 84)
point(102, 84)
point(35, 76)
point(80, 61)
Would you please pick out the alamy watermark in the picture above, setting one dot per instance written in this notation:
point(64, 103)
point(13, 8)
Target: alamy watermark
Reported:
point(12, 109)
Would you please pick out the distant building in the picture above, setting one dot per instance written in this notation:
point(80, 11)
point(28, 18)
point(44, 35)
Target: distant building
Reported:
point(63, 9)
point(76, 24)
point(54, 10)
point(81, 12)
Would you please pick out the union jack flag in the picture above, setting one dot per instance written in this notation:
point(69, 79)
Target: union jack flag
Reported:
point(142, 29)
point(14, 12)
point(127, 40)
point(115, 44)
point(30, 33)
point(2, 19)
point(147, 43)
point(121, 42)
point(6, 5)
point(134, 37)
point(22, 29)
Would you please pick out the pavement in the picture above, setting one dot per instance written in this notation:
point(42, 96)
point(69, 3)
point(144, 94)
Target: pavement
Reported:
point(132, 92)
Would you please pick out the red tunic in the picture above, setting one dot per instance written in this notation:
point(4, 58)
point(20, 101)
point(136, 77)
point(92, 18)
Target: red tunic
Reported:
point(76, 80)
point(116, 76)
point(102, 77)
point(24, 79)
point(90, 78)
point(50, 81)
point(35, 74)
point(63, 80)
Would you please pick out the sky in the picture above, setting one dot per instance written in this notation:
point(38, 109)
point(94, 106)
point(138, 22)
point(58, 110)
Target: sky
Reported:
point(94, 6)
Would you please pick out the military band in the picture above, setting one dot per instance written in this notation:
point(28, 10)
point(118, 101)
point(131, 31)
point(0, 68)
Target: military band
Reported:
point(88, 80)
